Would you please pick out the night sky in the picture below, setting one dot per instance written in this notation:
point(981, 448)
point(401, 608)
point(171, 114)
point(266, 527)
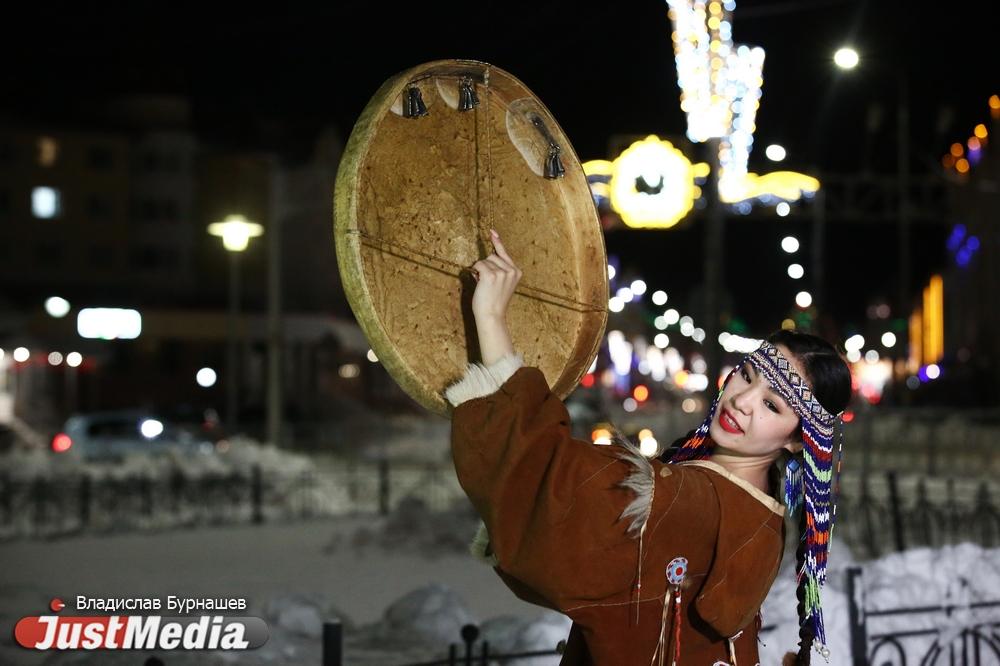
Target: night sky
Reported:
point(272, 78)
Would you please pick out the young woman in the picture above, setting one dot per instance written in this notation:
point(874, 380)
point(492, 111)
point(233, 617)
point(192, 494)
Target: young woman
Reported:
point(654, 561)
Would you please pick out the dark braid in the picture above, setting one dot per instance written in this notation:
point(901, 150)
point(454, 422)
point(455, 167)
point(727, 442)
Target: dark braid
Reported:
point(805, 628)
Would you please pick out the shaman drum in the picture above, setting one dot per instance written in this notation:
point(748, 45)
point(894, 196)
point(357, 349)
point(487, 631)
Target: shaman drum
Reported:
point(442, 153)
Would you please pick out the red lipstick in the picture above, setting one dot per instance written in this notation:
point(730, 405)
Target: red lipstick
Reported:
point(728, 423)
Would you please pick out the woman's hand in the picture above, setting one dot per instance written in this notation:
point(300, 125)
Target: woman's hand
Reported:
point(496, 278)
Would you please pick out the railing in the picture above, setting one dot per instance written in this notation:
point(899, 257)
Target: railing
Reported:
point(876, 514)
point(52, 505)
point(884, 513)
point(950, 640)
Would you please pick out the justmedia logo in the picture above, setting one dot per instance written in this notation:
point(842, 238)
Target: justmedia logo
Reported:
point(139, 632)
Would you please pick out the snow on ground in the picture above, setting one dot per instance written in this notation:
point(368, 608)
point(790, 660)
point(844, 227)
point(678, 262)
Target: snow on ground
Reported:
point(262, 564)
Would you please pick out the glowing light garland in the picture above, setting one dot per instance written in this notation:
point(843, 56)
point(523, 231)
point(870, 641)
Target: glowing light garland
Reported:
point(720, 93)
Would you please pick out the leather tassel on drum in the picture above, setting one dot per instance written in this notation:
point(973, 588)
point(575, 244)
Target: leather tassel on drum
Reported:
point(467, 98)
point(413, 103)
point(553, 165)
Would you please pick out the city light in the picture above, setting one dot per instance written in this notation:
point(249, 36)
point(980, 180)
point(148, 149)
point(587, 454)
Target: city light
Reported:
point(933, 371)
point(629, 404)
point(672, 316)
point(854, 355)
point(601, 436)
point(45, 202)
point(795, 271)
point(611, 272)
point(109, 323)
point(620, 351)
point(648, 445)
point(56, 307)
point(206, 377)
point(151, 428)
point(846, 58)
point(21, 354)
point(888, 339)
point(871, 356)
point(625, 294)
point(371, 356)
point(737, 343)
point(783, 209)
point(659, 297)
point(236, 232)
point(775, 152)
point(660, 322)
point(349, 370)
point(74, 359)
point(803, 299)
point(55, 358)
point(638, 287)
point(790, 244)
point(661, 340)
point(616, 304)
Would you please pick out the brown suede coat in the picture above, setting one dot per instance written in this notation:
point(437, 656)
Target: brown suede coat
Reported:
point(553, 506)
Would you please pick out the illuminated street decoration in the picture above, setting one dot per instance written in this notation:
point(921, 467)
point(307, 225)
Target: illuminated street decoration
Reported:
point(702, 40)
point(744, 76)
point(784, 185)
point(720, 86)
point(927, 327)
point(652, 183)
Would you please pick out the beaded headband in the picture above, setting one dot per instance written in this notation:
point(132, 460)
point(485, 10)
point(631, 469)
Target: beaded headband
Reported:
point(813, 486)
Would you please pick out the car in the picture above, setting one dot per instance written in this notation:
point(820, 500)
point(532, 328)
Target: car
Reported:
point(112, 435)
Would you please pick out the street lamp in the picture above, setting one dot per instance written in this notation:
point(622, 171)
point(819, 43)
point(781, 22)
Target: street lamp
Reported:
point(846, 58)
point(235, 232)
point(903, 231)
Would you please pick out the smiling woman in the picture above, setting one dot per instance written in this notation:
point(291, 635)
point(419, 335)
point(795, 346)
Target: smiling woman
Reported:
point(775, 417)
point(667, 558)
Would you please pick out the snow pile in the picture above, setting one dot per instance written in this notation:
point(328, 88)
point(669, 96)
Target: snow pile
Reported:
point(921, 577)
point(514, 635)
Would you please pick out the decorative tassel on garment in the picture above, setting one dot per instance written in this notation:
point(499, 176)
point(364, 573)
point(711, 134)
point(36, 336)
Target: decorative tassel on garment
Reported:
point(793, 486)
point(676, 572)
point(638, 577)
point(732, 649)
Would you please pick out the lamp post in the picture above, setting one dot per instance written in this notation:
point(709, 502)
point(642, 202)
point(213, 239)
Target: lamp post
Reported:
point(235, 232)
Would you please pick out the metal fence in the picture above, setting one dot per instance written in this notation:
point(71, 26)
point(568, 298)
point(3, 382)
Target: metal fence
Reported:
point(876, 513)
point(54, 505)
point(943, 637)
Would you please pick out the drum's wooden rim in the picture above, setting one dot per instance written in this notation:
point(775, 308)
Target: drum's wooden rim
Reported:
point(348, 245)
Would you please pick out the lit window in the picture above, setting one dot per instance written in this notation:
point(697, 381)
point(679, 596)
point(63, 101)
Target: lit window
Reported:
point(48, 151)
point(45, 202)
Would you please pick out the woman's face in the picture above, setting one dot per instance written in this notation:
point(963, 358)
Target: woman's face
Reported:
point(752, 418)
